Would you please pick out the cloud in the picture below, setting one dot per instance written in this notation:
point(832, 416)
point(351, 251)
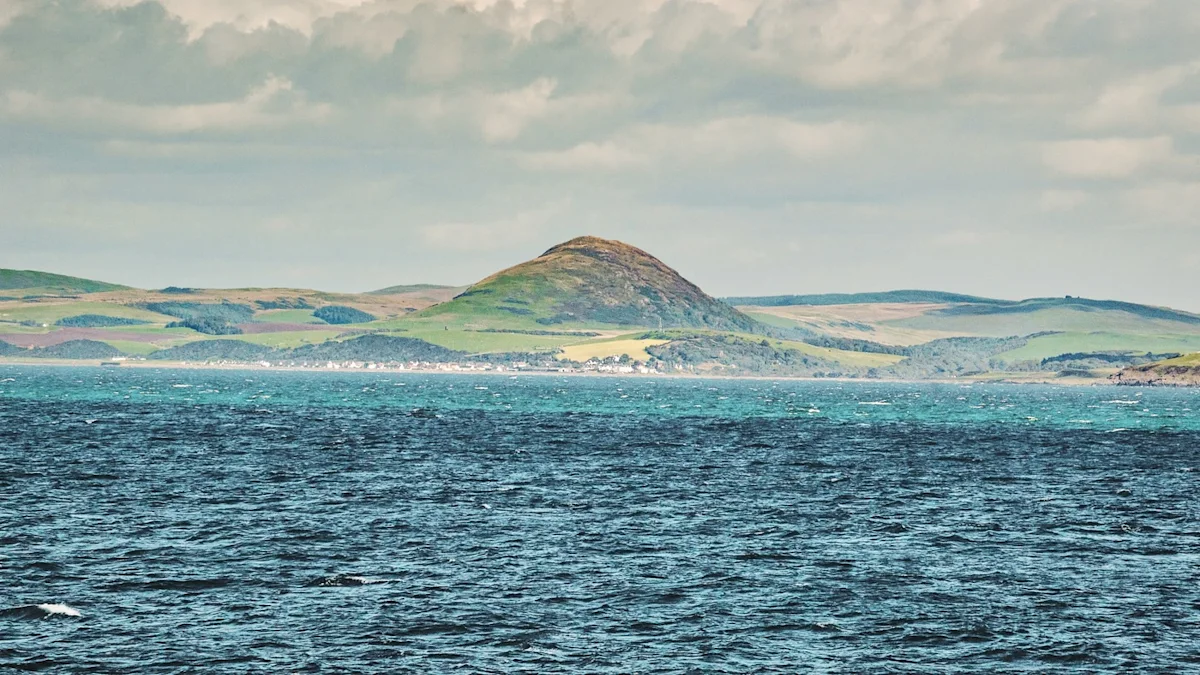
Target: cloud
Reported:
point(717, 141)
point(247, 15)
point(859, 130)
point(1137, 102)
point(271, 104)
point(1107, 157)
point(589, 155)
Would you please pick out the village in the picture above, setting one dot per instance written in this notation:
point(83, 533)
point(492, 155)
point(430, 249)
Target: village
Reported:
point(610, 366)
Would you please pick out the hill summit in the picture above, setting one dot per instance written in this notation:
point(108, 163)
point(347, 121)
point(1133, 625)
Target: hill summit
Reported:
point(45, 282)
point(589, 281)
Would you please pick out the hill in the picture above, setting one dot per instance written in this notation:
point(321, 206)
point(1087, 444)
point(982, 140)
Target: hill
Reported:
point(826, 299)
point(590, 281)
point(33, 282)
point(592, 300)
point(1182, 371)
point(408, 288)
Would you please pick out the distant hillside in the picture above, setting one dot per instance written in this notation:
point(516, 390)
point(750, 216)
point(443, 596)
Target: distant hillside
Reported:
point(47, 282)
point(1183, 371)
point(825, 299)
point(590, 281)
point(966, 305)
point(409, 288)
point(1078, 304)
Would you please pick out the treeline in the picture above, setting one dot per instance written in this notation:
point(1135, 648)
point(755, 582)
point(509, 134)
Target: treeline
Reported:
point(97, 321)
point(735, 354)
point(71, 349)
point(209, 318)
point(284, 303)
point(373, 348)
point(953, 357)
point(1081, 361)
point(341, 315)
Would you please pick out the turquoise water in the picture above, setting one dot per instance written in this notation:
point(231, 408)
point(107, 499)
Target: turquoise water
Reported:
point(1101, 408)
point(245, 521)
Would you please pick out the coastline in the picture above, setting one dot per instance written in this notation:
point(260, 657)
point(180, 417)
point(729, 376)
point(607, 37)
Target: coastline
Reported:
point(1035, 378)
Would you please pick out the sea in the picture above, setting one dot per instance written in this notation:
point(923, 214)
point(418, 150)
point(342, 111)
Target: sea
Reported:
point(237, 521)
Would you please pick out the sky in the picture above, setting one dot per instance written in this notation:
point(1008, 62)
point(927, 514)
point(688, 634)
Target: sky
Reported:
point(1009, 148)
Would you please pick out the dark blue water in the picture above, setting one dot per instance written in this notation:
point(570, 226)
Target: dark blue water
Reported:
point(235, 522)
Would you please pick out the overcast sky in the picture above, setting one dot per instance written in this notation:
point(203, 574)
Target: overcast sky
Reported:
point(1009, 148)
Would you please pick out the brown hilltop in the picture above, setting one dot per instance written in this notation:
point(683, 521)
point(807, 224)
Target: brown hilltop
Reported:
point(589, 280)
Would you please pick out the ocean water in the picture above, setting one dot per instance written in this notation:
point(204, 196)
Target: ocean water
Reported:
point(159, 521)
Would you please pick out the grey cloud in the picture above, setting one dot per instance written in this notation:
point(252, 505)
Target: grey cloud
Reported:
point(897, 137)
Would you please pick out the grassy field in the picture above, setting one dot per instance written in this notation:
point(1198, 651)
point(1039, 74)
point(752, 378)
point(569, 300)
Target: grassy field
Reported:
point(287, 316)
point(858, 322)
point(157, 331)
point(18, 329)
point(138, 348)
point(864, 359)
point(1065, 343)
point(603, 349)
point(1185, 360)
point(49, 312)
point(475, 342)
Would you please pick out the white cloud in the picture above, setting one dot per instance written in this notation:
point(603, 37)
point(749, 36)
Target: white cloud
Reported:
point(11, 9)
point(499, 117)
point(716, 141)
point(1136, 102)
point(271, 104)
point(1107, 157)
point(247, 15)
point(588, 156)
point(506, 114)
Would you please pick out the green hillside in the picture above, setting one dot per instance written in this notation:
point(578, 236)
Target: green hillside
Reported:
point(825, 299)
point(1073, 304)
point(590, 281)
point(408, 288)
point(1038, 317)
point(1182, 371)
point(604, 303)
point(33, 282)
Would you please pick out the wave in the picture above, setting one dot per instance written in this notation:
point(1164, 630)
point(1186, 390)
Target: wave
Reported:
point(42, 611)
point(343, 580)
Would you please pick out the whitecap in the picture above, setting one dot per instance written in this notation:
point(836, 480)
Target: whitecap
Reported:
point(344, 580)
point(1118, 401)
point(873, 403)
point(59, 608)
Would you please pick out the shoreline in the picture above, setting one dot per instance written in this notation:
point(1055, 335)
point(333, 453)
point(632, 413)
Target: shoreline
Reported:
point(1037, 379)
